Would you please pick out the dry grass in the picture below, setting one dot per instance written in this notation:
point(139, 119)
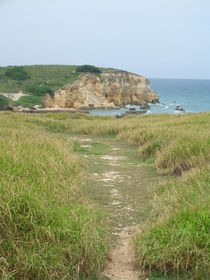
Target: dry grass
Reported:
point(47, 229)
point(176, 238)
point(175, 143)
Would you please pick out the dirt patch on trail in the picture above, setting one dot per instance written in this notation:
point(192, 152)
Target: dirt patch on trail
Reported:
point(122, 262)
point(111, 176)
point(86, 140)
point(86, 146)
point(113, 160)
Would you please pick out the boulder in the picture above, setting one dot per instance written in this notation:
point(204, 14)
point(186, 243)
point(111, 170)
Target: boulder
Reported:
point(179, 108)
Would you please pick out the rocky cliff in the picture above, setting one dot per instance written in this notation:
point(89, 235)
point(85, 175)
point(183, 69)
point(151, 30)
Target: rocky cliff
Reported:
point(106, 90)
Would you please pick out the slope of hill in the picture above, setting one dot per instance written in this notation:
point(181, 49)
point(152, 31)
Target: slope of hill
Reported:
point(40, 79)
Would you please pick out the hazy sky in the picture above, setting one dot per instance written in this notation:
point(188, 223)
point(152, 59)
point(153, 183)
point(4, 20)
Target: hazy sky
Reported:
point(157, 38)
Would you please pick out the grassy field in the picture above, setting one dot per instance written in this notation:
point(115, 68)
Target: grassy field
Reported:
point(48, 228)
point(176, 238)
point(41, 181)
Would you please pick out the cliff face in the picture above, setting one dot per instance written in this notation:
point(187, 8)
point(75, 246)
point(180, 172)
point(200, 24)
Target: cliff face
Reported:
point(107, 90)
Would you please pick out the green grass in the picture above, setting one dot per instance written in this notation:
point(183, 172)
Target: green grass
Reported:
point(48, 229)
point(175, 241)
point(94, 149)
point(177, 144)
point(52, 76)
point(28, 101)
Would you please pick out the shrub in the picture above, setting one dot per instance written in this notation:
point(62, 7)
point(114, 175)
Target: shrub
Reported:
point(39, 90)
point(16, 73)
point(88, 69)
point(29, 101)
point(4, 100)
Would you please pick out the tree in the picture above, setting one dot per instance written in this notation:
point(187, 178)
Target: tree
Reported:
point(16, 73)
point(39, 90)
point(88, 69)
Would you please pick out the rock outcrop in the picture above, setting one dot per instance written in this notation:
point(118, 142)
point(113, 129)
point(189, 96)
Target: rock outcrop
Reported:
point(108, 90)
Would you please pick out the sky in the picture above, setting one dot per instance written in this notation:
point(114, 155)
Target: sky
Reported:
point(156, 38)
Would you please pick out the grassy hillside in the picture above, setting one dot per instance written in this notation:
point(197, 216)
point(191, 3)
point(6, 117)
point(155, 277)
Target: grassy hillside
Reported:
point(52, 76)
point(37, 80)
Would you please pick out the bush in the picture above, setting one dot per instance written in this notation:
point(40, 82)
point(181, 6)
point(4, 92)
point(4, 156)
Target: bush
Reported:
point(4, 100)
point(39, 90)
point(29, 101)
point(16, 73)
point(88, 69)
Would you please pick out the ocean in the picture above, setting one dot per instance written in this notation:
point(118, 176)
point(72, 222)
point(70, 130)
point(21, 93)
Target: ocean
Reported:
point(191, 95)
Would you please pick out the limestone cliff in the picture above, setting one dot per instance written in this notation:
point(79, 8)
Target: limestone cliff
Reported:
point(108, 90)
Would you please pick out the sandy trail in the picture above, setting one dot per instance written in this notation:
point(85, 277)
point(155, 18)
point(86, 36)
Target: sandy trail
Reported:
point(122, 260)
point(118, 185)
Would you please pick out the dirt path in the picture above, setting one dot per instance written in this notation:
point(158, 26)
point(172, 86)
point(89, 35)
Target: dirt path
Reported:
point(121, 184)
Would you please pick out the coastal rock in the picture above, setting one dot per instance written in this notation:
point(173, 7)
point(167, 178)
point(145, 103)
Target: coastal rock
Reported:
point(6, 108)
point(179, 108)
point(109, 89)
point(144, 106)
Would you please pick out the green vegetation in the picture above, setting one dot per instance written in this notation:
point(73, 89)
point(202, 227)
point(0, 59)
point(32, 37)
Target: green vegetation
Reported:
point(175, 240)
point(88, 69)
point(28, 101)
point(4, 100)
point(96, 148)
point(46, 220)
point(48, 230)
point(39, 90)
point(35, 81)
point(16, 73)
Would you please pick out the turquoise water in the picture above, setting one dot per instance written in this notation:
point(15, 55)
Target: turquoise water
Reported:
point(191, 95)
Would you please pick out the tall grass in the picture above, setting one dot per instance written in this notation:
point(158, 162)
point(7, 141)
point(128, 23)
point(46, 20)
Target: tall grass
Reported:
point(176, 143)
point(176, 238)
point(48, 230)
